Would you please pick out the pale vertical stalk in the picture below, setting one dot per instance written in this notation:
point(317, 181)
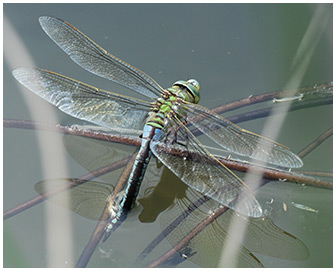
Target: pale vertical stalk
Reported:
point(273, 125)
point(58, 232)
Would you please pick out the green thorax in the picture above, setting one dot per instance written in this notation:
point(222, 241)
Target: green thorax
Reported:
point(181, 92)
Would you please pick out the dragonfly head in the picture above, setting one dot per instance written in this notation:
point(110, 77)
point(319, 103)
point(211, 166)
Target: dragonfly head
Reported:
point(192, 87)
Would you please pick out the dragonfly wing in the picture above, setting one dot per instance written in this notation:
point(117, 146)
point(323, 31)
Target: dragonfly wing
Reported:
point(185, 156)
point(104, 108)
point(88, 199)
point(239, 141)
point(95, 59)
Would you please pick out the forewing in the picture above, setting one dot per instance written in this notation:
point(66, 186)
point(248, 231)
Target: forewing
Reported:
point(95, 59)
point(239, 141)
point(104, 108)
point(184, 155)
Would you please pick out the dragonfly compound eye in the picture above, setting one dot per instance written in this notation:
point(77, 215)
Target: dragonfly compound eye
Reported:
point(194, 83)
point(193, 88)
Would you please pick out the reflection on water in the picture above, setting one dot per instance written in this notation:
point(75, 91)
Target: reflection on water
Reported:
point(262, 236)
point(172, 198)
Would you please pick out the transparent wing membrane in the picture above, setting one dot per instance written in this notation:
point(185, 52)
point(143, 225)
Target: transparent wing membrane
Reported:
point(190, 161)
point(104, 108)
point(237, 140)
point(95, 59)
point(178, 149)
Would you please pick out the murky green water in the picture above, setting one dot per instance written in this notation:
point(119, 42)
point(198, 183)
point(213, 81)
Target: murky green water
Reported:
point(233, 51)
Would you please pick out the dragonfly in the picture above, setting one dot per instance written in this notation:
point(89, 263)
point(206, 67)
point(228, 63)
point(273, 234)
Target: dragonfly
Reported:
point(168, 122)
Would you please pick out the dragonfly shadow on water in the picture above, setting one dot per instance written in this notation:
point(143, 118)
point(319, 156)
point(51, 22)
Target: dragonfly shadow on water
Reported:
point(204, 248)
point(91, 154)
point(89, 198)
point(161, 197)
point(170, 198)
